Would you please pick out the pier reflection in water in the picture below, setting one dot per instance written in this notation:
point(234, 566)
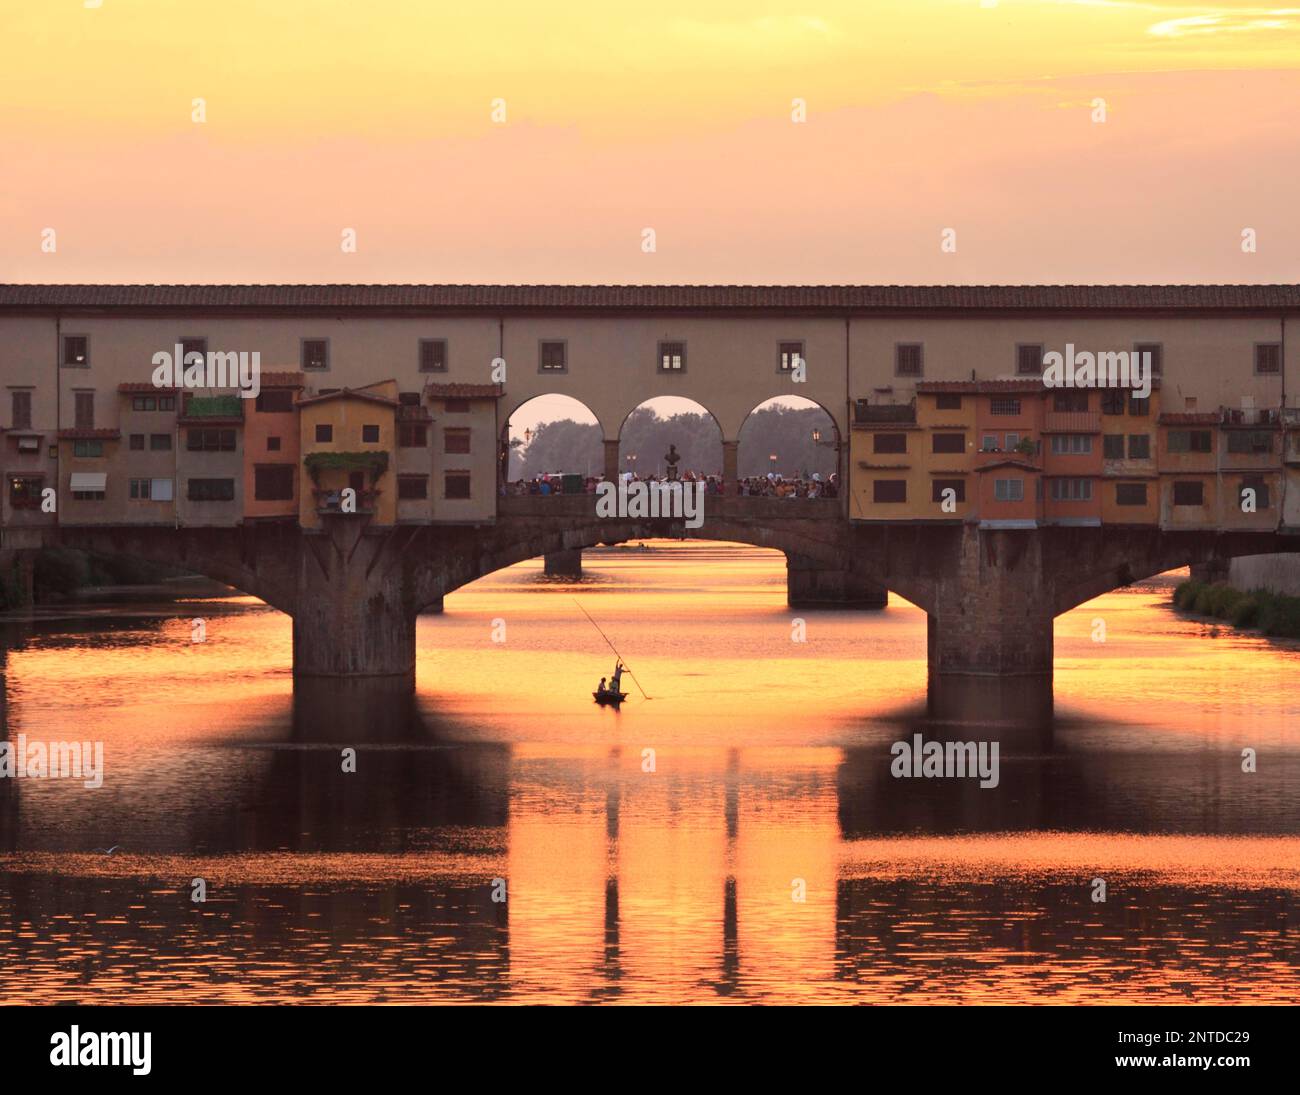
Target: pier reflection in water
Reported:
point(771, 781)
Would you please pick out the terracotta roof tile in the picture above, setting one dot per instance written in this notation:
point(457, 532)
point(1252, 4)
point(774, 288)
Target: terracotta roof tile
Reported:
point(463, 391)
point(596, 298)
point(1189, 418)
point(348, 393)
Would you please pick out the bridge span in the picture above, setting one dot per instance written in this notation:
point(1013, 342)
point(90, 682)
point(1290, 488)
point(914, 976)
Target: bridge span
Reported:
point(354, 590)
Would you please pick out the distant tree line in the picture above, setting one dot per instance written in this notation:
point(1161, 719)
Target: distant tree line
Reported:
point(568, 446)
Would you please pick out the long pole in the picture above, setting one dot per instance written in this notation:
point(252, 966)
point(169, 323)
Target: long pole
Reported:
point(611, 646)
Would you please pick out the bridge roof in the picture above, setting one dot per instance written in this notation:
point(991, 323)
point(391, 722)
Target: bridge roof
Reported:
point(834, 299)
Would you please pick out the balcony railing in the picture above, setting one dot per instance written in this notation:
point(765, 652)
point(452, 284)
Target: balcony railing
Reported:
point(876, 414)
point(1250, 416)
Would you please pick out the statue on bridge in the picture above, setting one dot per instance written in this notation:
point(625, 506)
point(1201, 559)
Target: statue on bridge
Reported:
point(671, 457)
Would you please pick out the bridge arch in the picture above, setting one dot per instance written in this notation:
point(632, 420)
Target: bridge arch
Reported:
point(799, 431)
point(552, 427)
point(649, 428)
point(254, 559)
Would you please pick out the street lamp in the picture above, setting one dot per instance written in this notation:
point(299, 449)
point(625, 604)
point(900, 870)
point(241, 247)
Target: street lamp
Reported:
point(817, 436)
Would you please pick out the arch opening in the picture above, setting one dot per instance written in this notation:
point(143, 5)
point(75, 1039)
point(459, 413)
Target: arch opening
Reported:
point(548, 437)
point(790, 439)
point(670, 437)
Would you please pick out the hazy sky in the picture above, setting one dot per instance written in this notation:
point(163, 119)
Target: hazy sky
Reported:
point(324, 115)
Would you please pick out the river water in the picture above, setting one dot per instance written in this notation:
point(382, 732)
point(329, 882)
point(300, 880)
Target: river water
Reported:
point(738, 836)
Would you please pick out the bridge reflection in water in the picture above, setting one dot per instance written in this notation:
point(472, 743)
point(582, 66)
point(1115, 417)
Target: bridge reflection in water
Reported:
point(672, 884)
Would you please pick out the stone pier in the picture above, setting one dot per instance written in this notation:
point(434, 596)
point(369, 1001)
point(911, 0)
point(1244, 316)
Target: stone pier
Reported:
point(811, 585)
point(563, 564)
point(993, 607)
point(355, 606)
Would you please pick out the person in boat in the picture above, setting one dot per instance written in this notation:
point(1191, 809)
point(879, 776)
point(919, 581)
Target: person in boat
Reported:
point(614, 685)
point(601, 687)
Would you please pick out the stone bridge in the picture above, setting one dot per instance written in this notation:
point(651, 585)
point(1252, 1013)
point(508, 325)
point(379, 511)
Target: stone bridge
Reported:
point(354, 592)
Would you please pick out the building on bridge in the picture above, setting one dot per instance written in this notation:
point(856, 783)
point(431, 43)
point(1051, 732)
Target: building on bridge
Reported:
point(988, 499)
point(935, 394)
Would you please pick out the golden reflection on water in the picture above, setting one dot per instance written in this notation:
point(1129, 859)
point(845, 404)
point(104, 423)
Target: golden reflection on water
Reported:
point(735, 837)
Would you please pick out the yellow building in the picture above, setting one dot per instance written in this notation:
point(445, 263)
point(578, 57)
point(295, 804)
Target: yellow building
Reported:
point(947, 414)
point(883, 469)
point(913, 461)
point(348, 440)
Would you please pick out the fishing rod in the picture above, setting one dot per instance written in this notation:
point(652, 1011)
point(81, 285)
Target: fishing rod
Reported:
point(611, 646)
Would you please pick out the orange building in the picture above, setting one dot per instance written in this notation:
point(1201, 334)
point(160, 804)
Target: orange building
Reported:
point(1009, 460)
point(272, 468)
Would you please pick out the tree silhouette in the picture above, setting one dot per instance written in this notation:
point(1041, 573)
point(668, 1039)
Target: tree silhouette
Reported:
point(568, 446)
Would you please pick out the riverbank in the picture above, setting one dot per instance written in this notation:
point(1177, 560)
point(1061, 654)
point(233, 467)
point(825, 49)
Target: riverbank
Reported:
point(1275, 614)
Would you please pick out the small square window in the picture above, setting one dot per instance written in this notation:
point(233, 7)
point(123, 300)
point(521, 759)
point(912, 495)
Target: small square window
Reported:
point(324, 432)
point(412, 435)
point(193, 346)
point(137, 442)
point(76, 350)
point(456, 485)
point(160, 442)
point(889, 442)
point(456, 406)
point(1268, 357)
point(939, 486)
point(455, 441)
point(889, 490)
point(1112, 400)
point(370, 435)
point(672, 357)
point(553, 357)
point(1029, 358)
point(1009, 490)
point(1157, 352)
point(947, 401)
point(411, 487)
point(273, 482)
point(274, 400)
point(1189, 493)
point(788, 355)
point(315, 353)
point(272, 444)
point(433, 355)
point(907, 359)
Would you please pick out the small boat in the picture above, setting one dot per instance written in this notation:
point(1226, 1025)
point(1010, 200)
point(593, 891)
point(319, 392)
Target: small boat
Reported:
point(609, 695)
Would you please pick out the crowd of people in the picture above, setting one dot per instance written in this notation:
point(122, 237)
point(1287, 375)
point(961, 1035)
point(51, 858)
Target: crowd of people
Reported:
point(770, 485)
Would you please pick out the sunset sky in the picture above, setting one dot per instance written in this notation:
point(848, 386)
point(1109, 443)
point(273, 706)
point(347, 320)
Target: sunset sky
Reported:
point(922, 115)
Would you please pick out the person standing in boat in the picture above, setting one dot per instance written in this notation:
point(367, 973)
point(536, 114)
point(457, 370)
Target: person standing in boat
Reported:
point(614, 685)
